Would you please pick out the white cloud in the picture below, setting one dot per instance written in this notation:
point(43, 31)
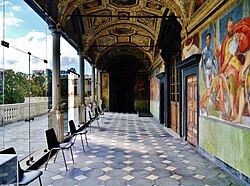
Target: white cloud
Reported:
point(35, 42)
point(16, 8)
point(6, 3)
point(10, 19)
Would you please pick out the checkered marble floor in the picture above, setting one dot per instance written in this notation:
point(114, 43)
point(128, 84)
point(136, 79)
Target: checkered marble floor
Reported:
point(137, 151)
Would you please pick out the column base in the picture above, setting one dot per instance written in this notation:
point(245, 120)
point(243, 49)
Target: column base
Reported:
point(56, 121)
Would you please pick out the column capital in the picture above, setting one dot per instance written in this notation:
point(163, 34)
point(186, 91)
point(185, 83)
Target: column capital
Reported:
point(81, 53)
point(55, 29)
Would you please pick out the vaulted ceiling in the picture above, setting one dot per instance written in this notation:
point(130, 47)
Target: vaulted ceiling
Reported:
point(105, 29)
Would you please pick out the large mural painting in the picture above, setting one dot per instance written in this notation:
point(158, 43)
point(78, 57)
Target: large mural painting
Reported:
point(224, 66)
point(155, 86)
point(105, 89)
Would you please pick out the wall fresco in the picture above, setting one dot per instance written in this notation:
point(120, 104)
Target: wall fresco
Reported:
point(105, 89)
point(198, 4)
point(190, 46)
point(154, 86)
point(224, 66)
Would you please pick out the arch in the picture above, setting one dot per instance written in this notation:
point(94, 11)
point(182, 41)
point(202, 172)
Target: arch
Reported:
point(137, 53)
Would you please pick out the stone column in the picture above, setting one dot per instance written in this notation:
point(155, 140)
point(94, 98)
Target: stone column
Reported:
point(93, 100)
point(56, 114)
point(82, 109)
point(99, 88)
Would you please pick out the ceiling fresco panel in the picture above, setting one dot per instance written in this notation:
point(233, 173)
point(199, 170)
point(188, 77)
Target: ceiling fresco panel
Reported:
point(147, 21)
point(123, 39)
point(123, 2)
point(141, 41)
point(105, 41)
point(154, 5)
point(99, 21)
point(92, 4)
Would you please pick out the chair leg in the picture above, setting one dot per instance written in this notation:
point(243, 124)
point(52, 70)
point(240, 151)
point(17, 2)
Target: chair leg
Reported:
point(64, 160)
point(75, 139)
point(86, 139)
point(72, 155)
point(40, 181)
point(48, 159)
point(97, 122)
point(56, 155)
point(82, 144)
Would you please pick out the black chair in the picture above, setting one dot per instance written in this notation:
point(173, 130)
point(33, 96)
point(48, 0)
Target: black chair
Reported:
point(101, 113)
point(74, 132)
point(93, 118)
point(24, 176)
point(104, 108)
point(54, 144)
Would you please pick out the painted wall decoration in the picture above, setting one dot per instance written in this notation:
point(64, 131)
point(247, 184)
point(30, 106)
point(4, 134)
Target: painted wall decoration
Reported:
point(105, 88)
point(198, 4)
point(225, 77)
point(155, 86)
point(190, 47)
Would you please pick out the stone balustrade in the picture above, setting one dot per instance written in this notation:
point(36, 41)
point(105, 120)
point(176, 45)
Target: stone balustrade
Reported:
point(20, 111)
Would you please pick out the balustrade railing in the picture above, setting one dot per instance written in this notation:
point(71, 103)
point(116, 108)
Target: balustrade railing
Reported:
point(20, 111)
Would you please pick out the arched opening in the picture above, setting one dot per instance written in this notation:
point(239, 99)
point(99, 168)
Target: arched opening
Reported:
point(122, 89)
point(128, 88)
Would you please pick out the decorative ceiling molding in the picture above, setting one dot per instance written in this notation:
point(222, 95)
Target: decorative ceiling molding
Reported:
point(107, 23)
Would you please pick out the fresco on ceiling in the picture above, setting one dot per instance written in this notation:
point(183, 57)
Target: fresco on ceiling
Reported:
point(153, 5)
point(98, 21)
point(198, 4)
point(224, 68)
point(150, 22)
point(190, 46)
point(123, 15)
point(92, 4)
point(123, 31)
point(123, 2)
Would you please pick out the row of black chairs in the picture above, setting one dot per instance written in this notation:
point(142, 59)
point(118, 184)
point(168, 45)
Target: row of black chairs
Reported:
point(27, 176)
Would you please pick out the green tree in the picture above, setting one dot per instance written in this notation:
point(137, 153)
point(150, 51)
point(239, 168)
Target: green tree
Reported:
point(15, 87)
point(38, 84)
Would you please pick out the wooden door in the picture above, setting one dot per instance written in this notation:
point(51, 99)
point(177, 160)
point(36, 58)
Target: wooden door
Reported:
point(192, 109)
point(174, 94)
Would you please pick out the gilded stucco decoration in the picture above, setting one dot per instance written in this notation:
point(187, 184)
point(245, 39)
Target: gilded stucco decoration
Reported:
point(123, 22)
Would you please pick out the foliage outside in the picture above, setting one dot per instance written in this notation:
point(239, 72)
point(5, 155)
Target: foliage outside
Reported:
point(15, 86)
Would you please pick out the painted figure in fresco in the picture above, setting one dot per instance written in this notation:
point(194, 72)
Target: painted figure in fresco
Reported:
point(234, 62)
point(210, 68)
point(105, 88)
point(189, 48)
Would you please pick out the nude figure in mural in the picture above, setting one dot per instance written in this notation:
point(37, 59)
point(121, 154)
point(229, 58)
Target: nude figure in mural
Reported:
point(234, 65)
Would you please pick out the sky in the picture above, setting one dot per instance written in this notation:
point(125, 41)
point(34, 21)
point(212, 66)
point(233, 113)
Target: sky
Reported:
point(27, 32)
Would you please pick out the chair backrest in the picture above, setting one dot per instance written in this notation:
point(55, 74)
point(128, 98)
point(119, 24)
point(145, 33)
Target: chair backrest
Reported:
point(11, 150)
point(90, 116)
point(99, 109)
point(52, 141)
point(103, 106)
point(96, 112)
point(72, 127)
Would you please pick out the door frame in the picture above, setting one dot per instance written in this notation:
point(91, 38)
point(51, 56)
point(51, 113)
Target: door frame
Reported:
point(162, 97)
point(186, 68)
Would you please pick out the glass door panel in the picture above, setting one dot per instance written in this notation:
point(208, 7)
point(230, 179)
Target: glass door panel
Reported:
point(38, 103)
point(15, 106)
